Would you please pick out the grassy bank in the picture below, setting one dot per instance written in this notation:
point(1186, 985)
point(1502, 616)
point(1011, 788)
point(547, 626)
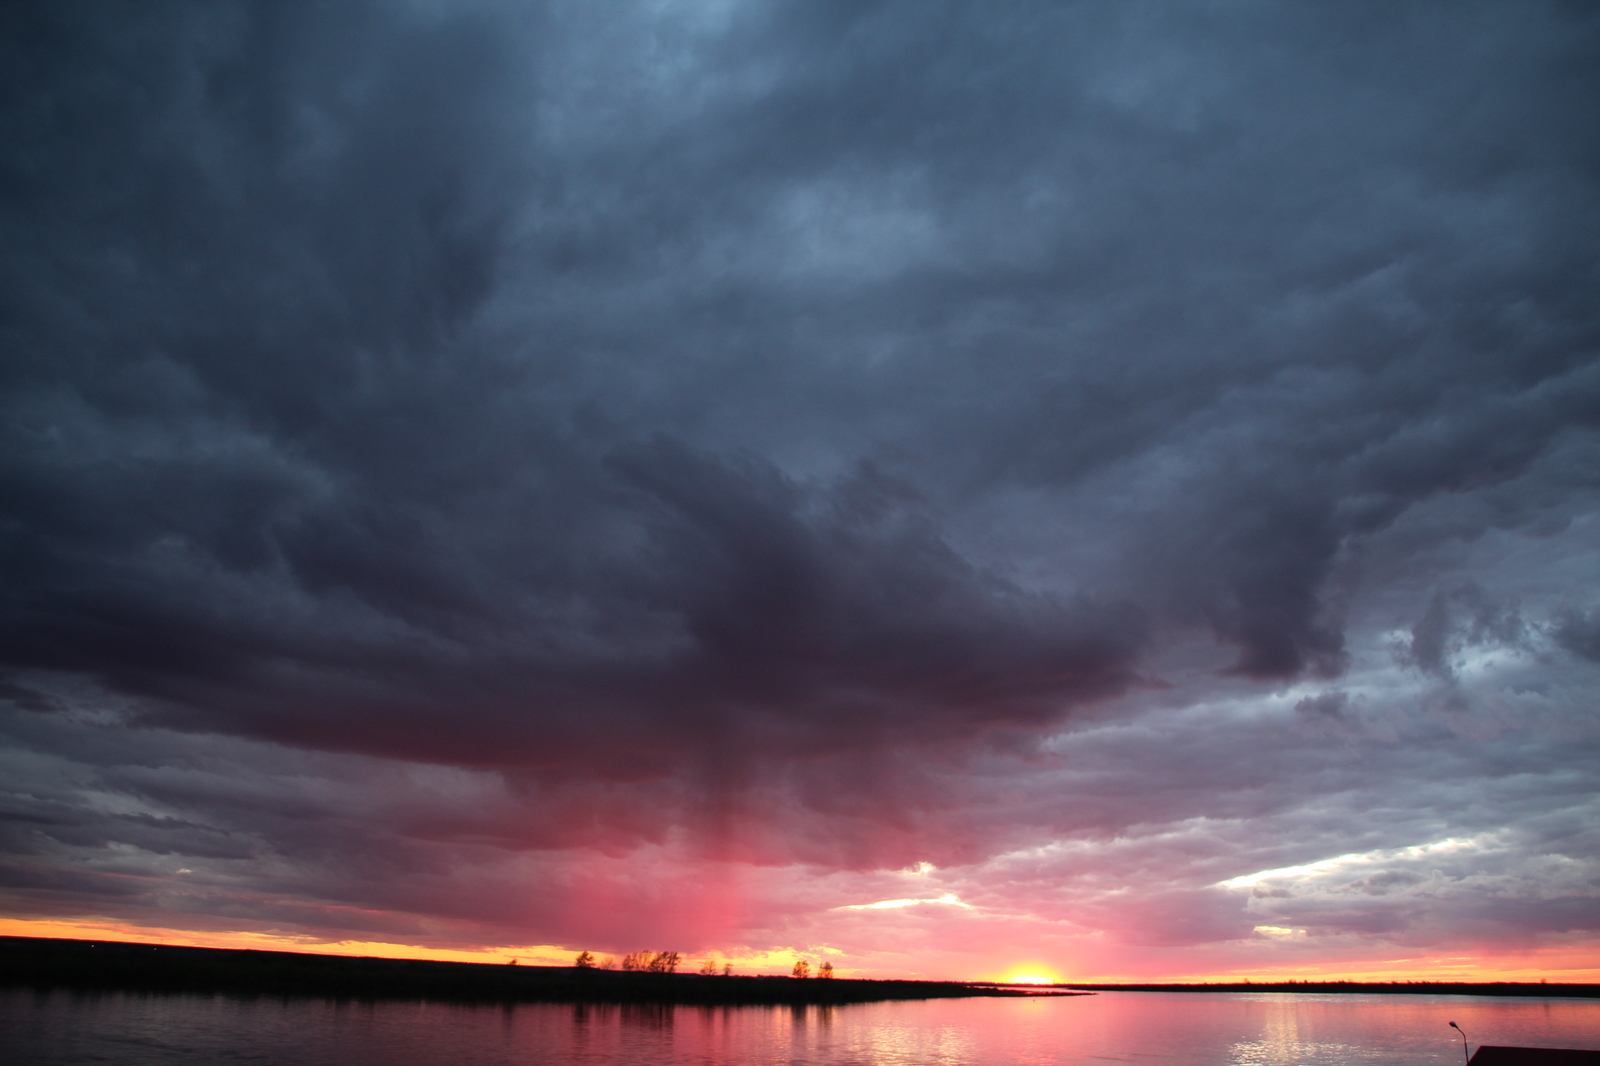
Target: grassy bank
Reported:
point(115, 966)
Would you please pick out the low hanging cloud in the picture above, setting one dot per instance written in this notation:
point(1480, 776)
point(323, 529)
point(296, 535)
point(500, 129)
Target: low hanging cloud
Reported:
point(781, 424)
point(732, 612)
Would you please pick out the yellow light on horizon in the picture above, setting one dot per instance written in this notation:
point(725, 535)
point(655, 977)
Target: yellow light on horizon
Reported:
point(91, 929)
point(1030, 974)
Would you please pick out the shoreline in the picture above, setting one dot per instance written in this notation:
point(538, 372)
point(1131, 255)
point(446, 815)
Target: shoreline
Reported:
point(1434, 988)
point(121, 966)
point(102, 965)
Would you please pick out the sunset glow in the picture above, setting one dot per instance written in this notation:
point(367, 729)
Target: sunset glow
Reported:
point(1029, 975)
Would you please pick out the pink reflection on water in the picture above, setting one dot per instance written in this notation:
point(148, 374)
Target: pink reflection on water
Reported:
point(1182, 1029)
point(1268, 1029)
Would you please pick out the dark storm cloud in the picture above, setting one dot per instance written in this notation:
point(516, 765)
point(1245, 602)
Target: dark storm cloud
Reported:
point(1579, 633)
point(517, 387)
point(1466, 617)
point(266, 481)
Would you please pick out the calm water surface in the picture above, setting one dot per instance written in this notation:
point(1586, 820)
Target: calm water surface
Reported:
point(1188, 1029)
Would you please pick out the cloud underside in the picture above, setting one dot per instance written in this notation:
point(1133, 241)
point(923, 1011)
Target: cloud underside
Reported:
point(786, 433)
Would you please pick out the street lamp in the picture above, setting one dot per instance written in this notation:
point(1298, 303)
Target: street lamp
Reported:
point(1464, 1054)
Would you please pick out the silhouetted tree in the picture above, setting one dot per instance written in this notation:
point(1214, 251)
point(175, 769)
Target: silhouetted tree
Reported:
point(585, 960)
point(636, 960)
point(727, 969)
point(826, 970)
point(802, 969)
point(664, 962)
point(708, 968)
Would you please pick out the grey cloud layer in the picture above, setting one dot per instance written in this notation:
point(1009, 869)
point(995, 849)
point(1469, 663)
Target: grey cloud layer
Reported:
point(1470, 825)
point(665, 398)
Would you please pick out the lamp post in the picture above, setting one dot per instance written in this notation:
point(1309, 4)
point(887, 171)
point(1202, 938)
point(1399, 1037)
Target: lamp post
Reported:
point(1463, 1033)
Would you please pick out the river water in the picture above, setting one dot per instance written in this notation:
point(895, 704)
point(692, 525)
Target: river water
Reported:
point(1190, 1029)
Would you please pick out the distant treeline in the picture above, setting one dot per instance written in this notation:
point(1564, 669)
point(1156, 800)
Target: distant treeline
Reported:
point(115, 966)
point(1435, 988)
point(667, 962)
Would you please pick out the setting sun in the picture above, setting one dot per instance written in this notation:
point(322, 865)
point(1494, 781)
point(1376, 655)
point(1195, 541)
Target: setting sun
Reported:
point(1030, 975)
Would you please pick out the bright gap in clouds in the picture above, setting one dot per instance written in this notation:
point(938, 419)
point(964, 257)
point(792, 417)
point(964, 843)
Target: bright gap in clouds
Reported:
point(1340, 862)
point(948, 899)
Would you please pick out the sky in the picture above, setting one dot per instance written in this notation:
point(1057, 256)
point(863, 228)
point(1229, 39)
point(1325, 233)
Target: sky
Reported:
point(1076, 489)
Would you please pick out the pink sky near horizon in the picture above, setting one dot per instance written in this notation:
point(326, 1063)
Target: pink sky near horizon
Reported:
point(1062, 862)
point(1022, 916)
point(1062, 959)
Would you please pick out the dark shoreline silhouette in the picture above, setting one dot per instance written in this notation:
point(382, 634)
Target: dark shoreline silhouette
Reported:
point(1432, 988)
point(101, 965)
point(116, 966)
